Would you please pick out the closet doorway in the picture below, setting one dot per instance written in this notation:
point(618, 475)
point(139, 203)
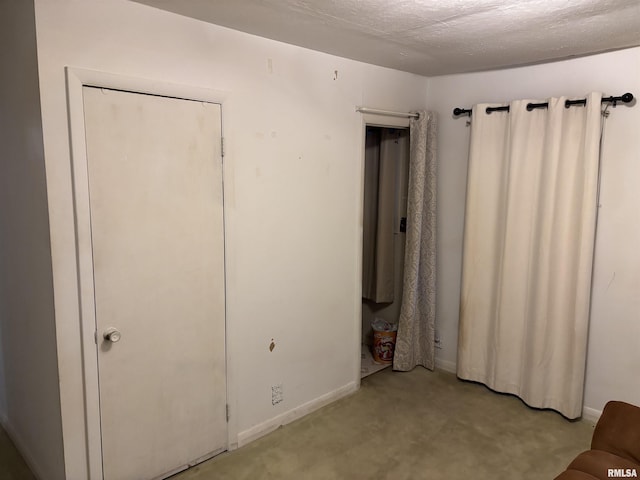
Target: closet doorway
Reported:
point(386, 178)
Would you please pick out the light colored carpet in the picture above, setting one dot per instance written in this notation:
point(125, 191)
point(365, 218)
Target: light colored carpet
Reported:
point(398, 426)
point(409, 426)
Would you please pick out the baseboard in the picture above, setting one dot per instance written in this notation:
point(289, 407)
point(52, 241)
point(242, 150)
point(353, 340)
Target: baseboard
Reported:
point(20, 446)
point(269, 426)
point(446, 365)
point(591, 414)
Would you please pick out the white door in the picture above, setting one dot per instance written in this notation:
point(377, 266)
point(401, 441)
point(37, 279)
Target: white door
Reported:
point(155, 193)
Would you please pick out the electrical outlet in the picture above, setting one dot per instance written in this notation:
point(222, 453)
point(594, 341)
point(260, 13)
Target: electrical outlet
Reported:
point(437, 340)
point(276, 394)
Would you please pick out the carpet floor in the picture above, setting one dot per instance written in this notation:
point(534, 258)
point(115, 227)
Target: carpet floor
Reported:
point(414, 425)
point(398, 426)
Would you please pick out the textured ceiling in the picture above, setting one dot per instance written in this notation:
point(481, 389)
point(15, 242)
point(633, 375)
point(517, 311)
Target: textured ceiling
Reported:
point(431, 37)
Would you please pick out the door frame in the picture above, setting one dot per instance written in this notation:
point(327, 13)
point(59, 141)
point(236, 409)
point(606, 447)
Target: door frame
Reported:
point(76, 78)
point(367, 120)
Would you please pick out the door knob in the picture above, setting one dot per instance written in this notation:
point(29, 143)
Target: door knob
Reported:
point(112, 335)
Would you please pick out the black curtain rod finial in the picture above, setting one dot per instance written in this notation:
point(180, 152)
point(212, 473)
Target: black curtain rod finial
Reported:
point(461, 111)
point(626, 98)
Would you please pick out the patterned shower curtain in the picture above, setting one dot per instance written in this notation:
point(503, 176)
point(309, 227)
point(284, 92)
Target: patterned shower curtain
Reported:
point(416, 326)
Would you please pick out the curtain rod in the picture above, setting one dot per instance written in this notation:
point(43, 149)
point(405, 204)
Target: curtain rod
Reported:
point(626, 98)
point(388, 113)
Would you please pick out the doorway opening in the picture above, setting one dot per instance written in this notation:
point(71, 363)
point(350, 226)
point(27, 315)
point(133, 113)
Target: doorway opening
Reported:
point(386, 180)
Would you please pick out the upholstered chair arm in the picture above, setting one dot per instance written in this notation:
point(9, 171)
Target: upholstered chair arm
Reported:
point(618, 431)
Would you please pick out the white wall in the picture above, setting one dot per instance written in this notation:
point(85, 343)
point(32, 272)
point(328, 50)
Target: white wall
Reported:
point(614, 348)
point(293, 173)
point(29, 393)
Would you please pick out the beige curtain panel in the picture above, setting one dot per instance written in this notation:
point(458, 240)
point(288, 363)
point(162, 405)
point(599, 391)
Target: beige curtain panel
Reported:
point(416, 326)
point(528, 251)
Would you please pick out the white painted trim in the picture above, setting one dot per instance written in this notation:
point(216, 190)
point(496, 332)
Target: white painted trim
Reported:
point(98, 79)
point(22, 450)
point(269, 426)
point(76, 79)
point(85, 273)
point(446, 365)
point(591, 414)
point(357, 301)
